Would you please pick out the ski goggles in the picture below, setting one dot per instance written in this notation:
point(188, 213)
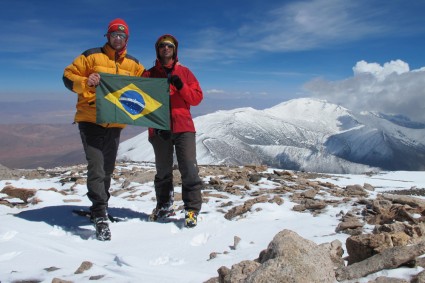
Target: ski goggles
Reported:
point(166, 44)
point(116, 34)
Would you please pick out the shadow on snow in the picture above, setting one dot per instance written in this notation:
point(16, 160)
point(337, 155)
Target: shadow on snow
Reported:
point(63, 217)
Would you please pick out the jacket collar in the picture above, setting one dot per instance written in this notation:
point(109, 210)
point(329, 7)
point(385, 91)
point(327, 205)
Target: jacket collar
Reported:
point(112, 53)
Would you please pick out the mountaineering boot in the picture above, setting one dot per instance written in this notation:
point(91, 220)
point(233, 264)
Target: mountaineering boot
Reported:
point(190, 218)
point(102, 228)
point(161, 212)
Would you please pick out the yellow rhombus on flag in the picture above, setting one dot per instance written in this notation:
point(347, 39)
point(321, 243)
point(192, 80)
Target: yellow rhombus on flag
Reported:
point(117, 98)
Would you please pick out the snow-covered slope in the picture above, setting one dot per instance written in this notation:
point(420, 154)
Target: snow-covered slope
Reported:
point(300, 134)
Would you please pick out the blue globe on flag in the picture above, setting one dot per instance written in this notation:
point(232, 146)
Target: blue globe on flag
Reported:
point(132, 102)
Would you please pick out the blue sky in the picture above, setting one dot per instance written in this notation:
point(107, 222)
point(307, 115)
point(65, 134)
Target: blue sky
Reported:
point(244, 53)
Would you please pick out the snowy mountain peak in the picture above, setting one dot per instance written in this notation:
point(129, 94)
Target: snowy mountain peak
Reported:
point(313, 113)
point(300, 134)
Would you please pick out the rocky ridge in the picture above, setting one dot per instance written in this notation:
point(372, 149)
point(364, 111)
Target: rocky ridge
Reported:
point(397, 217)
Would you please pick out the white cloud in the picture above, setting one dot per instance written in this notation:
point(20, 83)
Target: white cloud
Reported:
point(304, 25)
point(391, 88)
point(381, 72)
point(212, 91)
point(293, 26)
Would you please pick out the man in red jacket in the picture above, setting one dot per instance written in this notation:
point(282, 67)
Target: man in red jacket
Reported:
point(185, 91)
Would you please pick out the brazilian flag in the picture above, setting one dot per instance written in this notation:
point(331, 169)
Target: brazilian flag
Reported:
point(133, 101)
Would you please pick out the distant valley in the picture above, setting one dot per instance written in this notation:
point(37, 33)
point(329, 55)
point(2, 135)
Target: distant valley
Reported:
point(28, 146)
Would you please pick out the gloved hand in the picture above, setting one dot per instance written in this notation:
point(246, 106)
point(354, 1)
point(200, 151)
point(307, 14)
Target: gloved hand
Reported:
point(176, 81)
point(163, 134)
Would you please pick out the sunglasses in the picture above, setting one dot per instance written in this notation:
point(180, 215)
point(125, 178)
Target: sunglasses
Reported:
point(164, 44)
point(118, 35)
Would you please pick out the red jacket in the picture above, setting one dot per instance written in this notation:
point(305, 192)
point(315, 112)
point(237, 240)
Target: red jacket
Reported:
point(180, 100)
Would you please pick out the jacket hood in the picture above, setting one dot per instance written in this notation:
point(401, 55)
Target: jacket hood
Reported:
point(167, 36)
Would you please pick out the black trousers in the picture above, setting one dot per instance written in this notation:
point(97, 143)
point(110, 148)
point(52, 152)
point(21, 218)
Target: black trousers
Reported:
point(101, 147)
point(184, 145)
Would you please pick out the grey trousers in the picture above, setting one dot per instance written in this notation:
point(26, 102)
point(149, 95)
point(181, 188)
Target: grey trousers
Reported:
point(184, 145)
point(101, 147)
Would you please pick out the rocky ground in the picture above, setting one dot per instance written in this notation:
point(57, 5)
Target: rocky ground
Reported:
point(397, 218)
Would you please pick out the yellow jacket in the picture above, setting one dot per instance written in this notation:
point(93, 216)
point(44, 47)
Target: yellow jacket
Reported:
point(97, 60)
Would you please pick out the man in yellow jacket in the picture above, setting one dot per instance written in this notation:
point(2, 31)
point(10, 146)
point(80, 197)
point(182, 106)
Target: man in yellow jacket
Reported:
point(100, 141)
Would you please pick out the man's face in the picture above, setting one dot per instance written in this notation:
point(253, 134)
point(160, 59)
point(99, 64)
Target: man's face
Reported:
point(166, 50)
point(117, 40)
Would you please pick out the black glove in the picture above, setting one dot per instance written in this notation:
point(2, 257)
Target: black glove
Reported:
point(163, 134)
point(176, 81)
